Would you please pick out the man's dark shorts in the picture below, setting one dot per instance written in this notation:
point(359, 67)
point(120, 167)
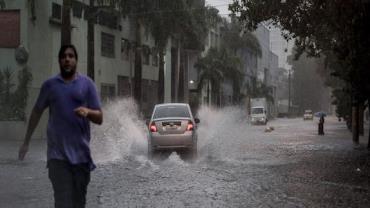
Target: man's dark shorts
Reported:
point(69, 183)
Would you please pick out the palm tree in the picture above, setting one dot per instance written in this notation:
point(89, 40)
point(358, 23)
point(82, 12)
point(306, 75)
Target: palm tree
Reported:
point(236, 39)
point(137, 11)
point(210, 73)
point(166, 22)
point(181, 20)
point(215, 67)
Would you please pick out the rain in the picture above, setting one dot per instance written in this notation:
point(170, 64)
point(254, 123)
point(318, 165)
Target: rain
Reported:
point(271, 101)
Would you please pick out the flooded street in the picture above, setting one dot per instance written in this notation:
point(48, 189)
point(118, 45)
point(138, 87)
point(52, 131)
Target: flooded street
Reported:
point(238, 165)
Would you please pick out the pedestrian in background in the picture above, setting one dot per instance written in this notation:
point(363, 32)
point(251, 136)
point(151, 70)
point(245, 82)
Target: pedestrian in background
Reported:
point(321, 125)
point(73, 102)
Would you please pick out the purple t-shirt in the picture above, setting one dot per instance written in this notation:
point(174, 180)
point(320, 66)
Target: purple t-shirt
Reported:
point(68, 134)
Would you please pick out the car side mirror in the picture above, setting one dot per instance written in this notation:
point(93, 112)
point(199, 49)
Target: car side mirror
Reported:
point(197, 120)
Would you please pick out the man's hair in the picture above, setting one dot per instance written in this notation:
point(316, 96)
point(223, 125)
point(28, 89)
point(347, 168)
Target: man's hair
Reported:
point(64, 48)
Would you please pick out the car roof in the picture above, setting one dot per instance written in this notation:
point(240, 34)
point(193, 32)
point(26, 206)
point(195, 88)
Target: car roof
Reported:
point(171, 104)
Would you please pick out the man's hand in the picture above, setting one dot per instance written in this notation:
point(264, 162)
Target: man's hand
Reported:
point(22, 151)
point(96, 116)
point(82, 111)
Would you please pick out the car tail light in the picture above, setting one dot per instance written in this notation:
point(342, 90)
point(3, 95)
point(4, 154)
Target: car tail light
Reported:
point(153, 128)
point(190, 126)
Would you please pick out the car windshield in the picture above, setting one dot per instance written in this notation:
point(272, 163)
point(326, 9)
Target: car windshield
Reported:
point(171, 111)
point(308, 112)
point(257, 110)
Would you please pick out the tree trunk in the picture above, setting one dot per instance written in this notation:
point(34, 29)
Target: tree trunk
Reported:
point(361, 118)
point(355, 122)
point(208, 92)
point(161, 77)
point(90, 44)
point(182, 76)
point(368, 142)
point(177, 72)
point(138, 65)
point(66, 23)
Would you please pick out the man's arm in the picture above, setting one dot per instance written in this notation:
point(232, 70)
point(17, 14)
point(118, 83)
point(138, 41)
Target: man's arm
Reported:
point(95, 116)
point(32, 124)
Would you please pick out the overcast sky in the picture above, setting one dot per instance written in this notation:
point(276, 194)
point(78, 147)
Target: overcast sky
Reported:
point(221, 5)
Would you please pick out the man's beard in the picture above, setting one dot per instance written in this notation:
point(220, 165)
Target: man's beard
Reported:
point(67, 73)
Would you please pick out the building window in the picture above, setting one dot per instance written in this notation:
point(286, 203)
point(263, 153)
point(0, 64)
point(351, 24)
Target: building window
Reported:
point(108, 19)
point(145, 55)
point(10, 29)
point(107, 45)
point(123, 86)
point(77, 8)
point(56, 11)
point(107, 92)
point(125, 49)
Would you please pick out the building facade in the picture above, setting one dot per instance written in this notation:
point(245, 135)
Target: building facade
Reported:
point(35, 30)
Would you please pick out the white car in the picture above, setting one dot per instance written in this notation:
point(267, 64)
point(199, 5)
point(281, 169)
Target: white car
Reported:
point(172, 126)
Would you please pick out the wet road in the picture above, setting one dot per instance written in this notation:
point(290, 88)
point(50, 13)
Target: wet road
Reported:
point(238, 166)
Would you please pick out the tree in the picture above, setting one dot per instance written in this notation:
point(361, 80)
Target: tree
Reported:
point(182, 20)
point(258, 89)
point(307, 82)
point(175, 19)
point(215, 67)
point(235, 39)
point(322, 26)
point(210, 70)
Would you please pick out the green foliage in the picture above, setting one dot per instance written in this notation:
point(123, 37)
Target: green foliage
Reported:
point(235, 37)
point(217, 66)
point(342, 100)
point(14, 102)
point(183, 20)
point(309, 90)
point(211, 69)
point(256, 89)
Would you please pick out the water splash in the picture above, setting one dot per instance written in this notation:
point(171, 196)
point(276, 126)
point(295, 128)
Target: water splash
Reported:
point(122, 134)
point(219, 130)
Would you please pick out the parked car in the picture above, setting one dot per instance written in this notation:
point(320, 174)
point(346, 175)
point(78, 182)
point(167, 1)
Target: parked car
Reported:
point(308, 115)
point(171, 127)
